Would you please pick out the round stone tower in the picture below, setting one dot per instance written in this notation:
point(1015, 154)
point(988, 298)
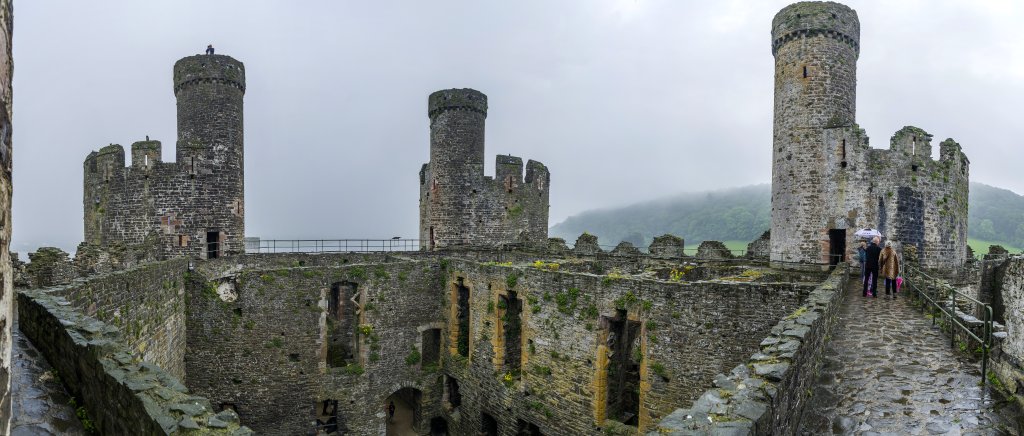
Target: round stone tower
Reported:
point(209, 90)
point(816, 45)
point(456, 166)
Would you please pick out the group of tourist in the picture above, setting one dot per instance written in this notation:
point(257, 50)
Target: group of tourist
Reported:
point(875, 261)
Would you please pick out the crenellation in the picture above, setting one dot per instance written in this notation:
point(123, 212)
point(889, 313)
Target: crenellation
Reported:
point(146, 154)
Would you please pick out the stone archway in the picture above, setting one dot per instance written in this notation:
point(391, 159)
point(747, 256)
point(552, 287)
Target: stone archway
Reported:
point(406, 417)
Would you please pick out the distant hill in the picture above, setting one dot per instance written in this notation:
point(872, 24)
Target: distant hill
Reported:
point(995, 215)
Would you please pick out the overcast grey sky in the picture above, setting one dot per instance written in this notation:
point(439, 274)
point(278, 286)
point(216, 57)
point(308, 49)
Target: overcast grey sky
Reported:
point(624, 100)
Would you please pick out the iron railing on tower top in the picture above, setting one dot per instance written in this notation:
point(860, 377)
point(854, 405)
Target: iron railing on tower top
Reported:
point(253, 245)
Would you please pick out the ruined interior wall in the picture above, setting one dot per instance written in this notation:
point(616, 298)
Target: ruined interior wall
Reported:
point(259, 344)
point(147, 303)
point(1012, 291)
point(6, 276)
point(257, 339)
point(689, 331)
point(921, 201)
point(767, 394)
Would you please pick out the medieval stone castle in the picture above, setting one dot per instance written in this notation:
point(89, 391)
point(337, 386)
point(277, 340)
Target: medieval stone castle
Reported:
point(826, 181)
point(491, 327)
point(194, 206)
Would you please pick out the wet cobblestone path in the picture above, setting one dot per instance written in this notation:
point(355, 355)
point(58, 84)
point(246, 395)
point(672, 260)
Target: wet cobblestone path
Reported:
point(888, 371)
point(40, 403)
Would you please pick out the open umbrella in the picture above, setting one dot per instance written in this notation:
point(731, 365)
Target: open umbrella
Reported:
point(867, 233)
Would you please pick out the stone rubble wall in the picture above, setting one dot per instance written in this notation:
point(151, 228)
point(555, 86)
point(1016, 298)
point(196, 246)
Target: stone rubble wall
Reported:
point(689, 331)
point(256, 337)
point(1008, 355)
point(767, 394)
point(49, 266)
point(147, 305)
point(6, 188)
point(121, 395)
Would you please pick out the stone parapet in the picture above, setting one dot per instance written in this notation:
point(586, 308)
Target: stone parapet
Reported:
point(120, 394)
point(767, 394)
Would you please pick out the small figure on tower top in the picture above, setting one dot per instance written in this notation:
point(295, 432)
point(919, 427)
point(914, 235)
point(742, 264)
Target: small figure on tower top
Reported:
point(209, 49)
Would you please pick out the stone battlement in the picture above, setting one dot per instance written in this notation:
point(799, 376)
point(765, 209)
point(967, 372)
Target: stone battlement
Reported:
point(456, 99)
point(208, 69)
point(816, 18)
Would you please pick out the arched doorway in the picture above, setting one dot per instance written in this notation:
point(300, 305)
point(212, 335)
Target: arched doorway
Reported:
point(403, 412)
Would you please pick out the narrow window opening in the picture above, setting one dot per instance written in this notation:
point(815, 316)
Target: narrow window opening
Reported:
point(463, 318)
point(805, 71)
point(913, 168)
point(843, 162)
point(624, 360)
point(431, 346)
point(488, 425)
point(342, 341)
point(913, 145)
point(882, 215)
point(212, 245)
point(513, 332)
point(432, 242)
point(145, 160)
point(451, 392)
point(183, 240)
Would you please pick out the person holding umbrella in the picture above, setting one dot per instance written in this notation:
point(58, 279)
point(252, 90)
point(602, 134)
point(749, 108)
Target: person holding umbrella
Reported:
point(871, 267)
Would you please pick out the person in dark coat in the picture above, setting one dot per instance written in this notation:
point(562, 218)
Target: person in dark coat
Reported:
point(862, 257)
point(871, 267)
point(209, 49)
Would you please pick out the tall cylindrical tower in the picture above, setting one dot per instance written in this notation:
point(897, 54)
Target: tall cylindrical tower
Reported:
point(816, 45)
point(456, 166)
point(209, 90)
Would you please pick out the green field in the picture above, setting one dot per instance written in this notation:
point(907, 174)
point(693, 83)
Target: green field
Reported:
point(980, 247)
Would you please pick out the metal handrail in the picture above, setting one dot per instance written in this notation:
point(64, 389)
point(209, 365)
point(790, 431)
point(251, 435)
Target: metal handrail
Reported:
point(931, 295)
point(332, 246)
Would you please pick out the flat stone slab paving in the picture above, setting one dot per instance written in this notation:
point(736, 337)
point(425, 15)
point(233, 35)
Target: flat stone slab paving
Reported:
point(40, 404)
point(888, 371)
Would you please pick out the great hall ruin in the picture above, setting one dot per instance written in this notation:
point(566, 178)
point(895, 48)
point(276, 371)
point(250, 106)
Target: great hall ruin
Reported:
point(163, 323)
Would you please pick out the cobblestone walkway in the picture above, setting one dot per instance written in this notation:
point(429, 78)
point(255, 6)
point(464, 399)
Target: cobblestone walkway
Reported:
point(40, 403)
point(888, 371)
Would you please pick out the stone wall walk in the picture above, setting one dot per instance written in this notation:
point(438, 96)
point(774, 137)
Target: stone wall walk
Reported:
point(887, 370)
point(40, 402)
